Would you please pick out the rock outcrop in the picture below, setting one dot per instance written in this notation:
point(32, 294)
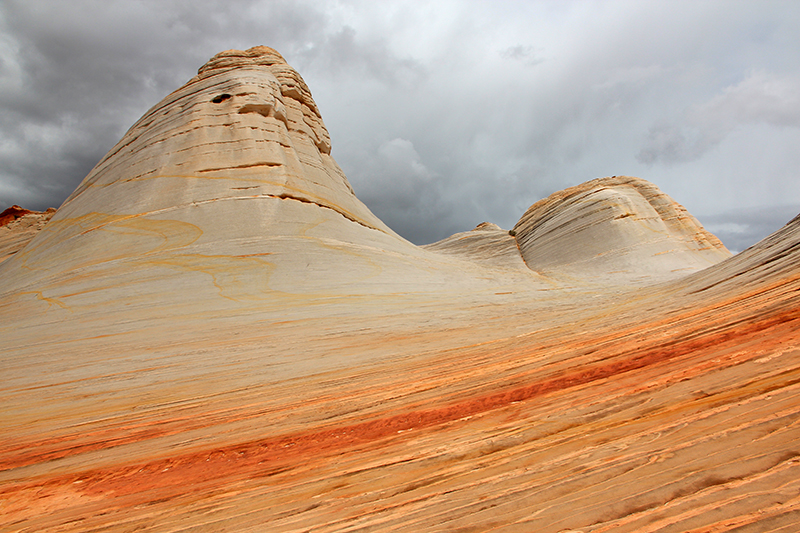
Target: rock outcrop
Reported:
point(239, 147)
point(18, 226)
point(487, 244)
point(618, 225)
point(12, 213)
point(214, 333)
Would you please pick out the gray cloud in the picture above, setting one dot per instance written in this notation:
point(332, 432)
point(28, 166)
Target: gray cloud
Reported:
point(442, 115)
point(400, 189)
point(523, 53)
point(740, 229)
point(761, 98)
point(76, 75)
point(342, 55)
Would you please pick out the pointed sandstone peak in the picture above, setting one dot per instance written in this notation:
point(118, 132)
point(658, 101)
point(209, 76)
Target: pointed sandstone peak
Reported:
point(617, 226)
point(246, 125)
point(236, 155)
point(213, 333)
point(292, 85)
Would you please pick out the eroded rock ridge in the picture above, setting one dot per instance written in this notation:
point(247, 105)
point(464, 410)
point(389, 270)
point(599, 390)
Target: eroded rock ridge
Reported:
point(213, 333)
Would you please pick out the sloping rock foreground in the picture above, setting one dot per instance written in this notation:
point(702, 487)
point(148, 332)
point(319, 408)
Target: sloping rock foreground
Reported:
point(214, 334)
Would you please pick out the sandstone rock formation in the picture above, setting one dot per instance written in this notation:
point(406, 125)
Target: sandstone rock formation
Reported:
point(213, 333)
point(18, 226)
point(616, 225)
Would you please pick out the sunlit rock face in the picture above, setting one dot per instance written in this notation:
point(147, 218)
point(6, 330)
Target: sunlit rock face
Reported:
point(214, 334)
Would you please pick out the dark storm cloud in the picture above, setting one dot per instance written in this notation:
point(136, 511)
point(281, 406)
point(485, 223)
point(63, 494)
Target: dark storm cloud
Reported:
point(76, 75)
point(445, 114)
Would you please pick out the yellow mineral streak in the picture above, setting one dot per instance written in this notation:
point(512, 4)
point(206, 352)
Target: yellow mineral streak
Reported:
point(214, 334)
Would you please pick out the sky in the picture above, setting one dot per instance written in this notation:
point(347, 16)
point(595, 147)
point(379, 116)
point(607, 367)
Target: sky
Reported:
point(442, 114)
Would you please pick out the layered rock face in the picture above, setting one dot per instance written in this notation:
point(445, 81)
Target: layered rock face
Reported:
point(214, 334)
point(18, 226)
point(218, 161)
point(617, 225)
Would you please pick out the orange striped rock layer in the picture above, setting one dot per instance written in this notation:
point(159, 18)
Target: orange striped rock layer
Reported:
point(206, 339)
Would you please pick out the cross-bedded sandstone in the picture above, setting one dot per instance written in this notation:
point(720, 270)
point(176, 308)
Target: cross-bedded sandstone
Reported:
point(214, 334)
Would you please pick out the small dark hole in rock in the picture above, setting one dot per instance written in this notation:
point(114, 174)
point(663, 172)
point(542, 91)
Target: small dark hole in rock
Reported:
point(512, 233)
point(220, 98)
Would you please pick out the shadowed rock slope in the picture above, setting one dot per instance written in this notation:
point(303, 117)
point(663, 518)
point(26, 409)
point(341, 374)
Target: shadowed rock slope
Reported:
point(214, 334)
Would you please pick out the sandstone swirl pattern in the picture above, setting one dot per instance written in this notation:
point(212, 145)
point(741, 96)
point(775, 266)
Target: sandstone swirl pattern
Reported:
point(214, 334)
